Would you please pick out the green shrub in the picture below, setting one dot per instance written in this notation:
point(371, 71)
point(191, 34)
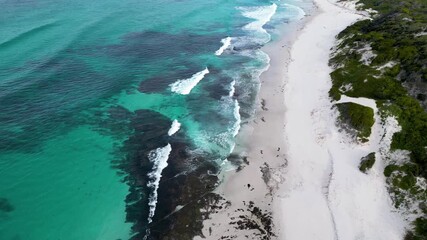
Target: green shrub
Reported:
point(358, 117)
point(367, 162)
point(392, 38)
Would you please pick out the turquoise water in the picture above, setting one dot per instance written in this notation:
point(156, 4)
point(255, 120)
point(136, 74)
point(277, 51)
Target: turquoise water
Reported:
point(86, 104)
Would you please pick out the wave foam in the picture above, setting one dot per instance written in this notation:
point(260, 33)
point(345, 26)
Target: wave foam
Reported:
point(225, 44)
point(236, 126)
point(159, 158)
point(262, 15)
point(174, 128)
point(184, 86)
point(296, 13)
point(232, 88)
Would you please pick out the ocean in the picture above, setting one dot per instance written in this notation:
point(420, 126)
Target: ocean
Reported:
point(117, 116)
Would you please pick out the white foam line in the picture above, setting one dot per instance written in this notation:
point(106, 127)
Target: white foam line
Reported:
point(236, 126)
point(262, 15)
point(159, 158)
point(225, 44)
point(174, 128)
point(232, 88)
point(184, 86)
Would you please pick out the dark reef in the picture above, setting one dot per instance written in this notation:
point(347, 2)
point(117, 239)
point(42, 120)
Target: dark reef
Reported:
point(185, 187)
point(6, 206)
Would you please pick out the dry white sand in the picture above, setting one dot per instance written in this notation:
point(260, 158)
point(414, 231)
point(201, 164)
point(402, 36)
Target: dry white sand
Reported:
point(302, 169)
point(325, 196)
point(262, 141)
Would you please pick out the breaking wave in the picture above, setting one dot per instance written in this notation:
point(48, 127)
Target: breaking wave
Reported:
point(159, 158)
point(225, 44)
point(232, 88)
point(174, 128)
point(184, 86)
point(262, 15)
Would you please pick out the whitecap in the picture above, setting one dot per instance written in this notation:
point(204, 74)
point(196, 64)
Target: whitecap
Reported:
point(225, 44)
point(236, 126)
point(159, 158)
point(174, 128)
point(232, 89)
point(184, 86)
point(262, 15)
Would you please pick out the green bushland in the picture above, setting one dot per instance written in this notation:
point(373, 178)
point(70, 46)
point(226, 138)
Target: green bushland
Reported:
point(367, 162)
point(406, 176)
point(420, 231)
point(397, 38)
point(359, 117)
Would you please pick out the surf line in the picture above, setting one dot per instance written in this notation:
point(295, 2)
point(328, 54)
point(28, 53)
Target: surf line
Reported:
point(184, 86)
point(159, 157)
point(225, 44)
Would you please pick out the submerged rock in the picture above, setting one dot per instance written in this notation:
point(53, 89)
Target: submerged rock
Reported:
point(5, 205)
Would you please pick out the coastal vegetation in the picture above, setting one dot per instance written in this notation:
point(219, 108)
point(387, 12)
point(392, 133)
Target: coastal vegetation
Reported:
point(367, 162)
point(357, 117)
point(385, 58)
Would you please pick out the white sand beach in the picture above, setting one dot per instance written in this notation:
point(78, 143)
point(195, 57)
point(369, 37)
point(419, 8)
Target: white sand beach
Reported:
point(302, 168)
point(325, 195)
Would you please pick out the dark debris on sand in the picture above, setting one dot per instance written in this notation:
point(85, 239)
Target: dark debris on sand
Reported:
point(255, 219)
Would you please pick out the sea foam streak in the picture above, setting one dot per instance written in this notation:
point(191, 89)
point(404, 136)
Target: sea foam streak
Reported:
point(174, 128)
point(184, 86)
point(159, 158)
point(232, 88)
point(262, 15)
point(235, 129)
point(225, 44)
point(236, 126)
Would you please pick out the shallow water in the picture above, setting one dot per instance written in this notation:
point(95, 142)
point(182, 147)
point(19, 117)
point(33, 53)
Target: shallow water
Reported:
point(89, 89)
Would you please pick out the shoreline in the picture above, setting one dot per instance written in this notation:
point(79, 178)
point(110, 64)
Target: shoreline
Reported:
point(261, 144)
point(301, 178)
